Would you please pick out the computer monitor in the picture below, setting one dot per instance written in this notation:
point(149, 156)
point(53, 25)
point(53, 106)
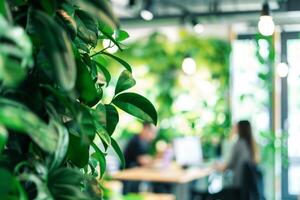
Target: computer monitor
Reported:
point(188, 151)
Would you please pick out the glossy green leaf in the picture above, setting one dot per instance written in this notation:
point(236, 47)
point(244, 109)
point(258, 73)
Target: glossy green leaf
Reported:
point(95, 6)
point(62, 145)
point(99, 119)
point(105, 7)
point(65, 184)
point(121, 35)
point(86, 124)
point(102, 133)
point(112, 118)
point(17, 117)
point(99, 114)
point(137, 106)
point(10, 72)
point(10, 187)
point(3, 137)
point(15, 53)
point(100, 156)
point(86, 27)
point(49, 6)
point(108, 33)
point(125, 82)
point(122, 62)
point(67, 22)
point(4, 11)
point(105, 72)
point(42, 190)
point(88, 93)
point(80, 44)
point(78, 151)
point(57, 47)
point(119, 152)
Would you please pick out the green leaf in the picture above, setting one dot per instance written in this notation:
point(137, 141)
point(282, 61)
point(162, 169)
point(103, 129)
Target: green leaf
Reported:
point(125, 82)
point(105, 72)
point(137, 106)
point(107, 118)
point(105, 7)
point(86, 27)
point(78, 151)
point(99, 119)
point(99, 114)
point(62, 146)
point(100, 156)
point(17, 117)
point(121, 35)
point(10, 187)
point(66, 183)
point(104, 28)
point(41, 188)
point(67, 22)
point(81, 45)
point(102, 133)
point(112, 118)
point(3, 137)
point(86, 123)
point(11, 74)
point(118, 150)
point(88, 93)
point(4, 11)
point(122, 62)
point(56, 45)
point(15, 53)
point(66, 176)
point(49, 6)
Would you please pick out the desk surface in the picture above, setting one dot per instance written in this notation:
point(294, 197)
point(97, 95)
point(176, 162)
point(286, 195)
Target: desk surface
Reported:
point(170, 175)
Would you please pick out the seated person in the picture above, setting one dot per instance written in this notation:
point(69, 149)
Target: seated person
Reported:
point(137, 150)
point(137, 153)
point(244, 151)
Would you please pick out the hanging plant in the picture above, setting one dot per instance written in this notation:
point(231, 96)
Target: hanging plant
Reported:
point(52, 77)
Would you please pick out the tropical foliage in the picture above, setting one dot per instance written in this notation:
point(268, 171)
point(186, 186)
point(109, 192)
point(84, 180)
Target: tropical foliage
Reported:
point(52, 77)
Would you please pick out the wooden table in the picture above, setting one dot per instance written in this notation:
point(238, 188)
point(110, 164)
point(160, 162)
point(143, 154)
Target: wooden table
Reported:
point(173, 175)
point(170, 175)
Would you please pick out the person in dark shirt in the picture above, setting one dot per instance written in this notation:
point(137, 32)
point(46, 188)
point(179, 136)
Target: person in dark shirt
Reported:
point(137, 150)
point(137, 154)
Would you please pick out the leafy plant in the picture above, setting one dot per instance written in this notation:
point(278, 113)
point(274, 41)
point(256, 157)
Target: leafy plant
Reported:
point(52, 77)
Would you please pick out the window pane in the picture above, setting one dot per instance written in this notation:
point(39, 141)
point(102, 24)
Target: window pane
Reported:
point(248, 96)
point(293, 55)
point(293, 47)
point(294, 179)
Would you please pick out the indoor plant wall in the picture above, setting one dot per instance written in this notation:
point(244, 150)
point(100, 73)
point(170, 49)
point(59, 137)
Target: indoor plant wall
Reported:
point(52, 77)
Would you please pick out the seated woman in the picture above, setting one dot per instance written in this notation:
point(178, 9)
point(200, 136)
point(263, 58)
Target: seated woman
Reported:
point(244, 151)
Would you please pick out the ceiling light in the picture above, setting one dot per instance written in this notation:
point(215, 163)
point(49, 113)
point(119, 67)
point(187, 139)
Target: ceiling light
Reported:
point(266, 24)
point(197, 27)
point(146, 15)
point(189, 66)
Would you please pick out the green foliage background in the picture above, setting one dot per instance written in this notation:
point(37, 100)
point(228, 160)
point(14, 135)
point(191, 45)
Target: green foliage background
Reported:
point(163, 59)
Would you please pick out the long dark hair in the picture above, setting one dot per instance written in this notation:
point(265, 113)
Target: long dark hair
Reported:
point(245, 133)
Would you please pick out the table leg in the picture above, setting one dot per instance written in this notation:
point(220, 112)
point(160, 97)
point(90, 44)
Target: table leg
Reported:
point(182, 191)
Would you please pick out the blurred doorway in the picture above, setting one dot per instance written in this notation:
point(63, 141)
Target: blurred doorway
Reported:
point(290, 118)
